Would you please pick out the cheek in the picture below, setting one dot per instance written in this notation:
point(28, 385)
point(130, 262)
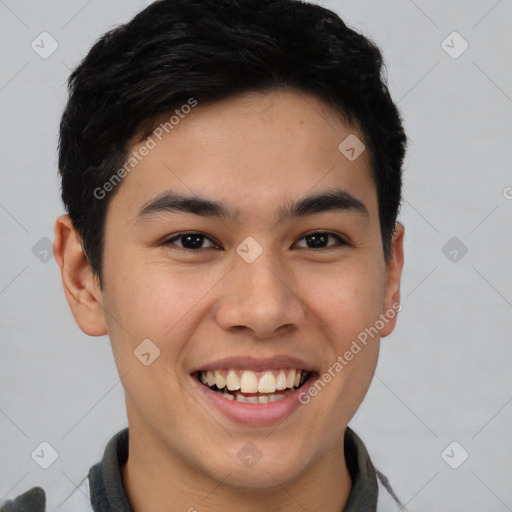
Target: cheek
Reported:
point(156, 303)
point(148, 328)
point(346, 301)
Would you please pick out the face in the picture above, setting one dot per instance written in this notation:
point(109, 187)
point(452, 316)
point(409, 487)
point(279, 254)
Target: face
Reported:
point(249, 300)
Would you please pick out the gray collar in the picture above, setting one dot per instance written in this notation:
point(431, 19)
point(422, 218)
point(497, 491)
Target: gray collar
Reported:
point(370, 491)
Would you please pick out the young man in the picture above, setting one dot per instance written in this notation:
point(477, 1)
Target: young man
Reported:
point(231, 171)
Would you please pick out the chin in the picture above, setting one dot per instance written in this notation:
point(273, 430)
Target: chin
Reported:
point(254, 468)
point(260, 478)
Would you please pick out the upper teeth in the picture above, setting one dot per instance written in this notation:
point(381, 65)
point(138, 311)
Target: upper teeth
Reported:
point(253, 382)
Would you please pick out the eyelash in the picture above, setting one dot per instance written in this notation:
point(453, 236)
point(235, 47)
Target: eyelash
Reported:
point(341, 241)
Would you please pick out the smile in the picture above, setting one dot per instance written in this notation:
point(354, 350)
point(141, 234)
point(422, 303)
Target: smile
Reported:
point(253, 387)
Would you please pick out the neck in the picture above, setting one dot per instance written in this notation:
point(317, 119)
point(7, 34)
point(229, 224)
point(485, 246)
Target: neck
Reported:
point(157, 480)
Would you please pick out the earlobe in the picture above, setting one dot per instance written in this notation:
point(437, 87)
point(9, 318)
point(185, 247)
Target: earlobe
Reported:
point(80, 285)
point(393, 275)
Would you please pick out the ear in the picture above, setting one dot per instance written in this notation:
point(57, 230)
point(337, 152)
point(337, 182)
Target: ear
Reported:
point(80, 285)
point(393, 273)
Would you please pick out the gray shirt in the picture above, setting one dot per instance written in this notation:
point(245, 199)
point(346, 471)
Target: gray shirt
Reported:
point(102, 489)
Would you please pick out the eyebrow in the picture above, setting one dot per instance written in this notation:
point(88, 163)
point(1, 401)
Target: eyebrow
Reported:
point(333, 200)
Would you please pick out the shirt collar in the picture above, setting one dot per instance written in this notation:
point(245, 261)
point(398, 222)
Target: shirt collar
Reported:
point(108, 494)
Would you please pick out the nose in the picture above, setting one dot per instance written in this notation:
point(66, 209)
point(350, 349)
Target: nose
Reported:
point(262, 298)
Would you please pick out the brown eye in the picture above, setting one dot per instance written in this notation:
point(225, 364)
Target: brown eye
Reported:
point(190, 241)
point(318, 240)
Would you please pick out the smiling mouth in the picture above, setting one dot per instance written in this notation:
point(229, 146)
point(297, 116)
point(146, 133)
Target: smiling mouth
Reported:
point(253, 387)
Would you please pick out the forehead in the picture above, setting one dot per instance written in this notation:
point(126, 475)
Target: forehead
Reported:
point(253, 151)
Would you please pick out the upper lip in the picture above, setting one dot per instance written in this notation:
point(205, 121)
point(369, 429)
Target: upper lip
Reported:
point(256, 364)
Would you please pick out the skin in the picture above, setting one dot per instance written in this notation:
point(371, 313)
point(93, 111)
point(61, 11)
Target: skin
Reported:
point(256, 152)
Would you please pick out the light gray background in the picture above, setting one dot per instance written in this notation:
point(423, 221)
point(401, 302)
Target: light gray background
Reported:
point(444, 374)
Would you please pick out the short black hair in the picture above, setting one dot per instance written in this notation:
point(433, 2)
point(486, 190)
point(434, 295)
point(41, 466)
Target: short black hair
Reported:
point(210, 50)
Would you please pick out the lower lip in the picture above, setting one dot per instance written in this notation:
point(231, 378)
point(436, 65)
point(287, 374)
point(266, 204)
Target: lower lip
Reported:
point(254, 414)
